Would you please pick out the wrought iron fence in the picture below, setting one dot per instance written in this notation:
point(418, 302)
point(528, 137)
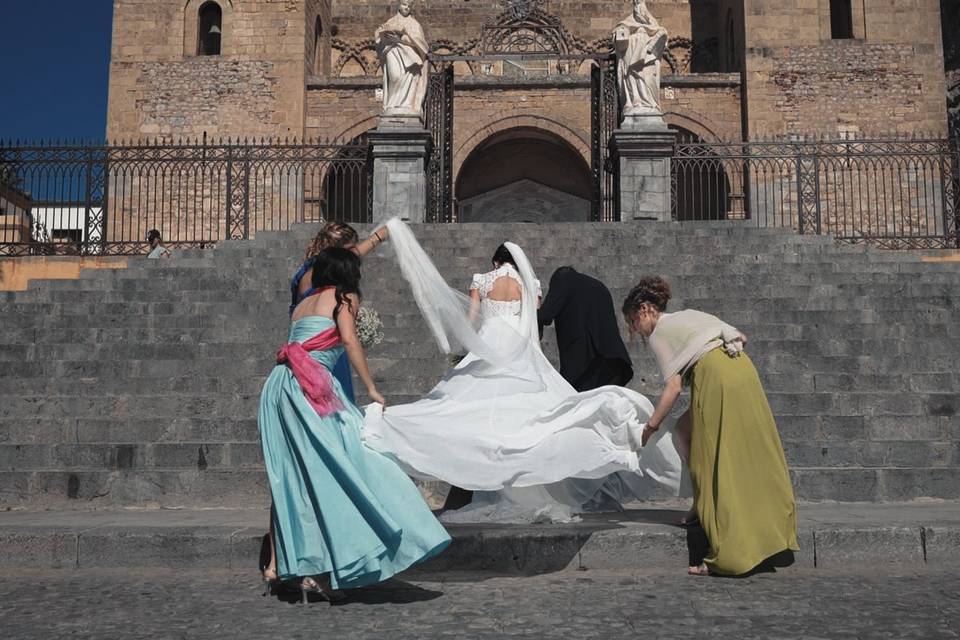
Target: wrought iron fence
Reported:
point(897, 194)
point(103, 200)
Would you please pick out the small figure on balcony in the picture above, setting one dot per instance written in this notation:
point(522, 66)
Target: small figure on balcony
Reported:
point(639, 41)
point(402, 48)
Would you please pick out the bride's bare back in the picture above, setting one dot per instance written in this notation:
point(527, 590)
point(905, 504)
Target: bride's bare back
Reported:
point(505, 289)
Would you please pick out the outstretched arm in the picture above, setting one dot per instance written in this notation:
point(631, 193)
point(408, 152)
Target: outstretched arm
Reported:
point(347, 325)
point(668, 398)
point(374, 240)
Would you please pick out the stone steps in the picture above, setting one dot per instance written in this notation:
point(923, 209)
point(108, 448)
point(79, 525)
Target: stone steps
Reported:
point(246, 487)
point(832, 536)
point(143, 400)
point(115, 455)
point(111, 385)
point(807, 429)
point(42, 383)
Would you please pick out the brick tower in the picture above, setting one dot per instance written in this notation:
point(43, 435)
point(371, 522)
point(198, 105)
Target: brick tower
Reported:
point(220, 67)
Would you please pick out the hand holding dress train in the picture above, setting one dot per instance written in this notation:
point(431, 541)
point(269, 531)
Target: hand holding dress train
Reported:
point(504, 418)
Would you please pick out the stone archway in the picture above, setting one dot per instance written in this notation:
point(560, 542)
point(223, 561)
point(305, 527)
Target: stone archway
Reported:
point(524, 174)
point(702, 189)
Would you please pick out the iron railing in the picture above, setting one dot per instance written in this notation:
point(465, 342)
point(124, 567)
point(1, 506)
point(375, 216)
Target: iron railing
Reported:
point(604, 118)
point(103, 200)
point(438, 108)
point(897, 194)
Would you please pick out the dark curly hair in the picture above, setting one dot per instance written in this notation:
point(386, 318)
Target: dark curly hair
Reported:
point(503, 256)
point(332, 234)
point(653, 290)
point(340, 268)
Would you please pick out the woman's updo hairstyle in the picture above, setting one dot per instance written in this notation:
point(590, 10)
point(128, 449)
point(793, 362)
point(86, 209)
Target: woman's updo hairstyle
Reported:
point(332, 234)
point(652, 290)
point(503, 256)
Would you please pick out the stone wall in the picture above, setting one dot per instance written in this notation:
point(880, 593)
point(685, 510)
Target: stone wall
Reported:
point(460, 21)
point(340, 110)
point(159, 87)
point(456, 27)
point(481, 112)
point(707, 105)
point(887, 79)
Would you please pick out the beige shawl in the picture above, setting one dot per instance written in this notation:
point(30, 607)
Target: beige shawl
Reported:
point(680, 339)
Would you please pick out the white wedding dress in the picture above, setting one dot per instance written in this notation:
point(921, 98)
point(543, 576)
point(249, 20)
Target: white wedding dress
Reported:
point(503, 422)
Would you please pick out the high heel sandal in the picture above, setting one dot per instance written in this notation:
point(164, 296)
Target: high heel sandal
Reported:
point(322, 588)
point(270, 581)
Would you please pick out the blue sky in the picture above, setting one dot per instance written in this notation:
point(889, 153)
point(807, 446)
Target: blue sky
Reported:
point(55, 59)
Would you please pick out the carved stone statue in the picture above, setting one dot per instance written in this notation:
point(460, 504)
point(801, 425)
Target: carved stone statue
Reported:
point(639, 41)
point(402, 48)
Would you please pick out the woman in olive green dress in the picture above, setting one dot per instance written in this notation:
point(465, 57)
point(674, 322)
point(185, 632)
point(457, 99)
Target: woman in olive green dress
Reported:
point(742, 490)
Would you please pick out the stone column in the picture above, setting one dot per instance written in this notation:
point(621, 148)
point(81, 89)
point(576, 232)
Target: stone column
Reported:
point(644, 145)
point(399, 148)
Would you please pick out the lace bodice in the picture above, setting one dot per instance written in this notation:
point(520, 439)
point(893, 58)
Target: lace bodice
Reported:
point(483, 284)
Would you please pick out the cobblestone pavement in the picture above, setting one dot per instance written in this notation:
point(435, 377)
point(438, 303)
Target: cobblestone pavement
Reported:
point(794, 603)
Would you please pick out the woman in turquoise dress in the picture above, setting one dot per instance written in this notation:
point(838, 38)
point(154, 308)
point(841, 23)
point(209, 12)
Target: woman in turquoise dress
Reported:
point(333, 234)
point(344, 515)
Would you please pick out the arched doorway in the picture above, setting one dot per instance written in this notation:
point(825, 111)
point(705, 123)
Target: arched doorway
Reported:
point(702, 187)
point(524, 174)
point(340, 188)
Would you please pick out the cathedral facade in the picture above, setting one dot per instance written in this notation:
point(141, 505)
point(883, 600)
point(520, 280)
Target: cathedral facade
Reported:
point(525, 125)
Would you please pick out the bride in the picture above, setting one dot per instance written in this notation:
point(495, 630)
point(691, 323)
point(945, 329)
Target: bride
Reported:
point(503, 422)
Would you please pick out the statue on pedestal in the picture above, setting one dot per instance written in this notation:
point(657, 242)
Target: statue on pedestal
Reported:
point(402, 48)
point(639, 41)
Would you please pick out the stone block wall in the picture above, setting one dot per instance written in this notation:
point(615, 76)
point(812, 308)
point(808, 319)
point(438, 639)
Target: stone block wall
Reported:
point(454, 25)
point(886, 79)
point(460, 21)
point(707, 105)
point(481, 112)
point(342, 110)
point(159, 87)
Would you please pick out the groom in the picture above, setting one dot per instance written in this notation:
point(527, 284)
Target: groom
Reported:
point(592, 353)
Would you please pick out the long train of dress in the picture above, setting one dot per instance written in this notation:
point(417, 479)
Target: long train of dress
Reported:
point(518, 429)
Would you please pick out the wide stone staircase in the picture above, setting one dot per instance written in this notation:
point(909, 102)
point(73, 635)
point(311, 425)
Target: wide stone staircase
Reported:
point(139, 387)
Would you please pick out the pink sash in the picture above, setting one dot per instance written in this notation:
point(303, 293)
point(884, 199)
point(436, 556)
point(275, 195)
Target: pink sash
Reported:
point(314, 378)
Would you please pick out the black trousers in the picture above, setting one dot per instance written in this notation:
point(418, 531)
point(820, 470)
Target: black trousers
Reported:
point(698, 546)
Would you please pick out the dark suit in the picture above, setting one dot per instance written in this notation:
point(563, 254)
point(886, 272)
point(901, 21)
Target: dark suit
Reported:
point(592, 353)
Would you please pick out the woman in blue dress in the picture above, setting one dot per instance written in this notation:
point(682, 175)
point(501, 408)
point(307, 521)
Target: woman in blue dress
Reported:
point(333, 234)
point(344, 515)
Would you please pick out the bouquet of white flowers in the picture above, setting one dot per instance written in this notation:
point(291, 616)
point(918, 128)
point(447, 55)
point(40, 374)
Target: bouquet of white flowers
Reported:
point(369, 327)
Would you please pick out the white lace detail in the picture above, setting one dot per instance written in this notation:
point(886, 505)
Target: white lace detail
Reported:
point(483, 283)
point(500, 307)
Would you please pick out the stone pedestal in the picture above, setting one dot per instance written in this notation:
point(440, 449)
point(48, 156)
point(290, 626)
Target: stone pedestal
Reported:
point(645, 146)
point(399, 148)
